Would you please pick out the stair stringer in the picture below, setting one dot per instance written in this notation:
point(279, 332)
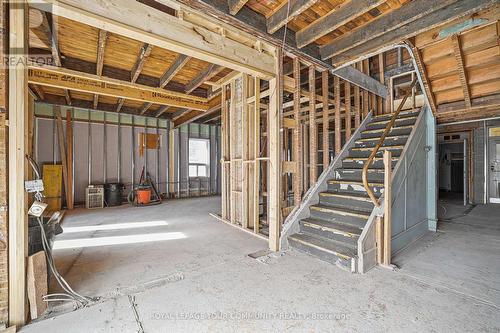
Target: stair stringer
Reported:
point(291, 223)
point(367, 247)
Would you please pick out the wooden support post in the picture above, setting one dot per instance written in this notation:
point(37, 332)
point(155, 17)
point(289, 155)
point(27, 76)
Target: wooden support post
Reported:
point(17, 209)
point(245, 152)
point(171, 161)
point(225, 194)
point(338, 127)
point(313, 129)
point(381, 67)
point(69, 156)
point(357, 108)
point(387, 206)
point(366, 105)
point(256, 165)
point(297, 141)
point(62, 150)
point(379, 236)
point(273, 133)
point(347, 103)
point(326, 121)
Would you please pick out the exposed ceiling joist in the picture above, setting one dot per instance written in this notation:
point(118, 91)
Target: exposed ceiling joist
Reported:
point(235, 5)
point(457, 50)
point(438, 17)
point(384, 24)
point(254, 23)
point(83, 82)
point(286, 13)
point(173, 69)
point(127, 18)
point(145, 107)
point(162, 110)
point(334, 19)
point(101, 45)
point(38, 90)
point(205, 75)
point(141, 59)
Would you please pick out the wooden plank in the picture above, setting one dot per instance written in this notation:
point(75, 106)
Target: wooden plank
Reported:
point(357, 108)
point(176, 66)
point(235, 5)
point(286, 13)
point(423, 74)
point(338, 127)
point(145, 107)
point(363, 80)
point(347, 103)
point(245, 150)
point(439, 17)
point(289, 167)
point(274, 166)
point(313, 127)
point(162, 110)
point(17, 201)
point(78, 81)
point(457, 51)
point(326, 121)
point(37, 286)
point(62, 151)
point(289, 123)
point(205, 75)
point(387, 206)
point(141, 22)
point(101, 45)
point(69, 162)
point(141, 59)
point(297, 142)
point(256, 155)
point(333, 20)
point(171, 162)
point(388, 22)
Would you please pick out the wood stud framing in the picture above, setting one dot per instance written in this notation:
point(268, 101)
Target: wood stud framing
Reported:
point(338, 127)
point(313, 127)
point(326, 121)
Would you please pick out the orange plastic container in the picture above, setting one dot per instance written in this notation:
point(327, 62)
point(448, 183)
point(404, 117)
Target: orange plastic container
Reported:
point(143, 196)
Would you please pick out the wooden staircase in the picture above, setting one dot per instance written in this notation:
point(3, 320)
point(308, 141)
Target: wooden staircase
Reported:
point(335, 223)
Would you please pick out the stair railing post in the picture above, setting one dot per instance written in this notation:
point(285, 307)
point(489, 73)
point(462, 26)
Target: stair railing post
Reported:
point(387, 207)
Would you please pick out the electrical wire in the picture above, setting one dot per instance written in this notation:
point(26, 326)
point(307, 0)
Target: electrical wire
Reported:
point(70, 295)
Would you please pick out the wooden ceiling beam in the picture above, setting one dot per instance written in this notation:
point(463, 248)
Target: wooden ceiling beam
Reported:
point(334, 19)
point(255, 24)
point(373, 45)
point(176, 66)
point(39, 91)
point(235, 5)
point(89, 83)
point(162, 110)
point(462, 73)
point(205, 75)
point(423, 75)
point(286, 13)
point(190, 116)
point(141, 22)
point(145, 107)
point(101, 44)
point(384, 24)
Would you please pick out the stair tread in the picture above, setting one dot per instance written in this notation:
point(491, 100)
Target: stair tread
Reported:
point(341, 210)
point(345, 229)
point(387, 137)
point(354, 196)
point(379, 121)
point(350, 158)
point(383, 129)
point(390, 147)
point(330, 246)
point(356, 182)
point(404, 114)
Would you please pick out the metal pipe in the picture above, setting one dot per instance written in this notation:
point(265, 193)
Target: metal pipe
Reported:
point(486, 172)
point(168, 159)
point(179, 162)
point(54, 137)
point(119, 152)
point(104, 150)
point(187, 158)
point(157, 156)
point(145, 143)
point(132, 152)
point(89, 149)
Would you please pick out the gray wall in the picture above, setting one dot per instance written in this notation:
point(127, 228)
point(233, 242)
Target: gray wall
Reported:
point(411, 191)
point(106, 163)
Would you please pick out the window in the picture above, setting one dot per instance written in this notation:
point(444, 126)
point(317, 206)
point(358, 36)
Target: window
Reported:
point(199, 157)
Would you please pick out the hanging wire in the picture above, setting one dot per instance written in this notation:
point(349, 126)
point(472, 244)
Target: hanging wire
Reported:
point(70, 295)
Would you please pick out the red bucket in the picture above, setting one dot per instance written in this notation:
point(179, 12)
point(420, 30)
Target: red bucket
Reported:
point(143, 196)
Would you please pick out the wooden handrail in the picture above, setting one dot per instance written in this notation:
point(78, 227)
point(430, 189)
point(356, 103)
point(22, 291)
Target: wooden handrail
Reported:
point(379, 144)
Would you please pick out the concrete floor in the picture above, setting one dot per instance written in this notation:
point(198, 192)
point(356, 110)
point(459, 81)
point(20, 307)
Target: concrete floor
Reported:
point(201, 279)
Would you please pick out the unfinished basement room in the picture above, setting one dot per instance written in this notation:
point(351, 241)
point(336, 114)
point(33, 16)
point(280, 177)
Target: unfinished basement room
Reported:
point(249, 166)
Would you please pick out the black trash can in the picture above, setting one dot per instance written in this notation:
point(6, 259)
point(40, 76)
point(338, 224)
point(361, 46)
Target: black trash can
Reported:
point(113, 193)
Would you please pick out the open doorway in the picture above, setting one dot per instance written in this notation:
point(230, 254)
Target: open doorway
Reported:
point(454, 167)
